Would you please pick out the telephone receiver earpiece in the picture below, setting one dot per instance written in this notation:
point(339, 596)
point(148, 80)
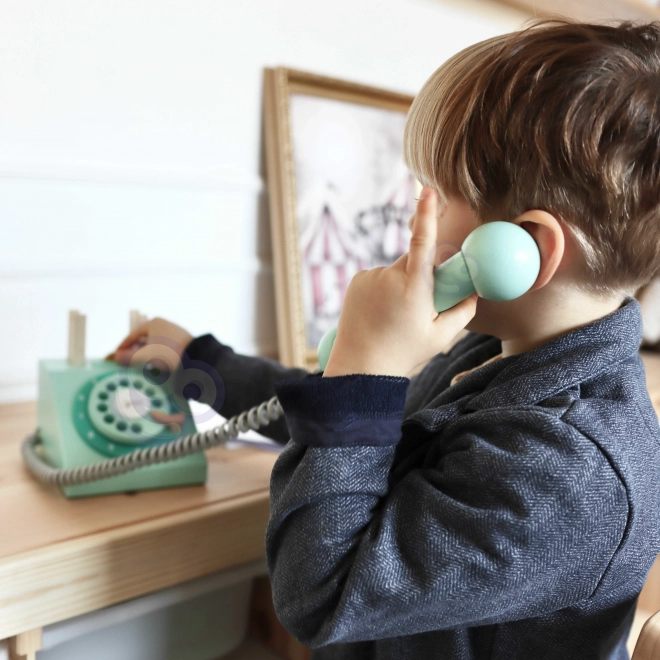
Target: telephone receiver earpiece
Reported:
point(498, 260)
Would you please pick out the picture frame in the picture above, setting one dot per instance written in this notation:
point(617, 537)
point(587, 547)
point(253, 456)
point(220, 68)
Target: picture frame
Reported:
point(299, 108)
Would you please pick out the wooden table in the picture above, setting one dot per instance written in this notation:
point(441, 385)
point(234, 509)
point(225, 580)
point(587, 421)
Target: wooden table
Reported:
point(61, 558)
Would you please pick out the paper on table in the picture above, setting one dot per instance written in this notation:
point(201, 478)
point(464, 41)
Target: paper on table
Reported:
point(206, 418)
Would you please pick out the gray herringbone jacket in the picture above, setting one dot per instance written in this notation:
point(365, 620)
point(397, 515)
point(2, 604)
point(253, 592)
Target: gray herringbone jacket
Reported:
point(513, 515)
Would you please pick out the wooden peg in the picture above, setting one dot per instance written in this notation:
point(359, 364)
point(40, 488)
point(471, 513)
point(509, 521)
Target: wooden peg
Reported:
point(25, 645)
point(76, 338)
point(136, 319)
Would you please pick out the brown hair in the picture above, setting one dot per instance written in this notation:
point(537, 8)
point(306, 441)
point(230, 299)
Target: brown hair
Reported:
point(558, 116)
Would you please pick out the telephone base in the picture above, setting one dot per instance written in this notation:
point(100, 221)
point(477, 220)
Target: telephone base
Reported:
point(188, 471)
point(62, 420)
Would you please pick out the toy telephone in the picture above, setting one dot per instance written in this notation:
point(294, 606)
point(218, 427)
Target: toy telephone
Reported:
point(498, 261)
point(97, 435)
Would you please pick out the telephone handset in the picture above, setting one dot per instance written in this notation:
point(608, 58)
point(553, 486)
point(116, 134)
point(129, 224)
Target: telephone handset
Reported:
point(498, 261)
point(91, 410)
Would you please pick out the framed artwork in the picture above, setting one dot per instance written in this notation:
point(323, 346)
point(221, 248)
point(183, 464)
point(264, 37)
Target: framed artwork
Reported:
point(340, 196)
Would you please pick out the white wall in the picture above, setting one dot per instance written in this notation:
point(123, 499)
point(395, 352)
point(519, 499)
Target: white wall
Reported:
point(130, 153)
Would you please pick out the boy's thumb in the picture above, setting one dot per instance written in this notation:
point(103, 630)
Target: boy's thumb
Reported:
point(450, 322)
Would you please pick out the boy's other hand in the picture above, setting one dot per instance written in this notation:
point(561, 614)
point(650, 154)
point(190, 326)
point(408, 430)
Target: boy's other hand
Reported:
point(388, 324)
point(156, 339)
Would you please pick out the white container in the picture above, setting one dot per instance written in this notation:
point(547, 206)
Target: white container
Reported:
point(199, 620)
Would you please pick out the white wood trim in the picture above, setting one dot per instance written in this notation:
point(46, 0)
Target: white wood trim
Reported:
point(114, 174)
point(51, 270)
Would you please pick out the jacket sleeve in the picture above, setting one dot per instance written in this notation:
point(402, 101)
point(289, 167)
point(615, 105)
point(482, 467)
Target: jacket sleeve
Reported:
point(505, 514)
point(244, 381)
point(470, 351)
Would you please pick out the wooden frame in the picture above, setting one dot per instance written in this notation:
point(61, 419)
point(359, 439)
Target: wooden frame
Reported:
point(589, 10)
point(279, 85)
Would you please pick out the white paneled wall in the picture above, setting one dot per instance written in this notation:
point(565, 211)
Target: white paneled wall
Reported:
point(131, 164)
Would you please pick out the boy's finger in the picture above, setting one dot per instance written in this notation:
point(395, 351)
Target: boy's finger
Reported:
point(424, 234)
point(168, 418)
point(140, 331)
point(124, 356)
point(138, 355)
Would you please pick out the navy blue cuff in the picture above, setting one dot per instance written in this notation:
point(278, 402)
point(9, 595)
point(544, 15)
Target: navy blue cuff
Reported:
point(344, 411)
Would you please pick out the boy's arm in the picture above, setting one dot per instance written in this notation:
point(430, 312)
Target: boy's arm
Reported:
point(504, 514)
point(247, 380)
point(206, 370)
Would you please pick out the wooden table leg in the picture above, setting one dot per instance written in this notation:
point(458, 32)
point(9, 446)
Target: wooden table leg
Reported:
point(25, 645)
point(264, 626)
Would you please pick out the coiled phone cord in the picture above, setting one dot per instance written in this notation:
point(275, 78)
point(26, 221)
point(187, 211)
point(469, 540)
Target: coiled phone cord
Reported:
point(254, 418)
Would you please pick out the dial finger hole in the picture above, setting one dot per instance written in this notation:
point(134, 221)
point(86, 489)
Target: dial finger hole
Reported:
point(157, 371)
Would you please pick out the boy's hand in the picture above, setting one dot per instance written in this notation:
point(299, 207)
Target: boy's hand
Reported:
point(388, 324)
point(155, 339)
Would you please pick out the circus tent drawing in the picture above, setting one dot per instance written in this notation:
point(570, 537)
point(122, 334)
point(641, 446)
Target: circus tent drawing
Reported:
point(354, 197)
point(384, 226)
point(334, 246)
point(331, 252)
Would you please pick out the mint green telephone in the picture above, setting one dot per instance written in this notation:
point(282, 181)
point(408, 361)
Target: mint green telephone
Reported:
point(99, 411)
point(96, 433)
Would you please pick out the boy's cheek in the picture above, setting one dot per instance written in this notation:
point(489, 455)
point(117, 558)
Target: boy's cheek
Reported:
point(450, 240)
point(445, 250)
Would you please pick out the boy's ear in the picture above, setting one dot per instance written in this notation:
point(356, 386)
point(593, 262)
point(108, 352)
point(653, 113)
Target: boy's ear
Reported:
point(547, 231)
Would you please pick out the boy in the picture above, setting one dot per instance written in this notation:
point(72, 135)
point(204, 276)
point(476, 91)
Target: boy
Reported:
point(503, 503)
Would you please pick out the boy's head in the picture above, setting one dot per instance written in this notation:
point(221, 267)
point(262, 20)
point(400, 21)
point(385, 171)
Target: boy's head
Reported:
point(562, 118)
